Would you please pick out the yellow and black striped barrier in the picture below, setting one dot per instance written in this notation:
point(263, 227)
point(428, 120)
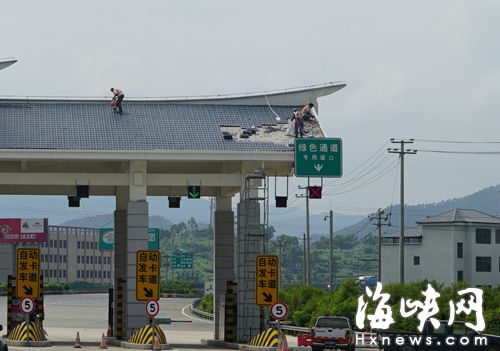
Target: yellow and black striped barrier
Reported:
point(230, 312)
point(20, 333)
point(145, 335)
point(268, 338)
point(119, 308)
point(39, 303)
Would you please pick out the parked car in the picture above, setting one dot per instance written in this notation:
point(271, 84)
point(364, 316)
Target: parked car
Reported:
point(3, 344)
point(435, 339)
point(333, 332)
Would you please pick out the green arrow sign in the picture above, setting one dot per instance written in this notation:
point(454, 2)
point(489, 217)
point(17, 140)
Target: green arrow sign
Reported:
point(318, 157)
point(194, 191)
point(107, 239)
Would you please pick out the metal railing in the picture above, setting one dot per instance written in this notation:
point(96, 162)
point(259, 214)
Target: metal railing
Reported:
point(199, 313)
point(293, 330)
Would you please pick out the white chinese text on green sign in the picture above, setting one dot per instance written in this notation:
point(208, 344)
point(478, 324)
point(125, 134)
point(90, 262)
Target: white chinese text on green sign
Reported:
point(318, 157)
point(182, 260)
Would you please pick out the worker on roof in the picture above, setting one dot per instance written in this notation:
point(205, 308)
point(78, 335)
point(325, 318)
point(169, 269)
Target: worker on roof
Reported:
point(308, 111)
point(298, 118)
point(118, 95)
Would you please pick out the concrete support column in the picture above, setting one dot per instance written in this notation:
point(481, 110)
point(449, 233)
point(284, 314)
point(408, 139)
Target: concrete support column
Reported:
point(131, 233)
point(120, 251)
point(137, 239)
point(249, 244)
point(223, 258)
point(6, 263)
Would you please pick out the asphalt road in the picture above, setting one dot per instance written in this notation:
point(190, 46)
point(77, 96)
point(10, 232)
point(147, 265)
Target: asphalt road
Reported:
point(88, 314)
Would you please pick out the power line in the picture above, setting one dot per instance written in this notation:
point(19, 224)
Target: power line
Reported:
point(460, 152)
point(372, 180)
point(380, 150)
point(363, 175)
point(456, 141)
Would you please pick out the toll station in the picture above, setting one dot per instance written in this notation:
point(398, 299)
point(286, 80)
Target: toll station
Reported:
point(184, 147)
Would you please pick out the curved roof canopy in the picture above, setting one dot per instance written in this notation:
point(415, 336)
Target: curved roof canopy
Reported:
point(6, 62)
point(169, 124)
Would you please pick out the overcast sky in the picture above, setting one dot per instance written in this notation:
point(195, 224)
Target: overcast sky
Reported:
point(413, 69)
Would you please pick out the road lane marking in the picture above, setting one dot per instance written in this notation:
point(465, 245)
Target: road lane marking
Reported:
point(194, 318)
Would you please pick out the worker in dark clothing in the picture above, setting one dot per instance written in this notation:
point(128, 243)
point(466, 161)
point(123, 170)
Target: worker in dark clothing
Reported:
point(298, 117)
point(118, 96)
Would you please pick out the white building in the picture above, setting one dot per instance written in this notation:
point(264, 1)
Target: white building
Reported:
point(458, 245)
point(68, 255)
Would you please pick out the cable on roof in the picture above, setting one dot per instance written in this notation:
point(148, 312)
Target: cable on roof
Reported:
point(278, 118)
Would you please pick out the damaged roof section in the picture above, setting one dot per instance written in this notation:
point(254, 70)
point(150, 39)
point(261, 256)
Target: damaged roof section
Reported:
point(280, 133)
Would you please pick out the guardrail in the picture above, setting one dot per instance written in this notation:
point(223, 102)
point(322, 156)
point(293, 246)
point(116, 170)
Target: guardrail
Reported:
point(293, 330)
point(199, 313)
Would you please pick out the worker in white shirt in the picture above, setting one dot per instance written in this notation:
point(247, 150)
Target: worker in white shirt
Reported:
point(118, 95)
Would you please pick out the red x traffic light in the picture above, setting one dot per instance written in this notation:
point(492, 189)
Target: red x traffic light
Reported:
point(315, 192)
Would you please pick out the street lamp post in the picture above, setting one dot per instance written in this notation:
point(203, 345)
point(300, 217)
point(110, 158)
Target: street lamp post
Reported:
point(330, 252)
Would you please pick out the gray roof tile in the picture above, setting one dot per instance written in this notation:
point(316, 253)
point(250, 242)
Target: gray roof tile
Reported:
point(92, 125)
point(461, 216)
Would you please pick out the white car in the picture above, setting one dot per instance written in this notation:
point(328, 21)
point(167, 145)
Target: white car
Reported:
point(333, 332)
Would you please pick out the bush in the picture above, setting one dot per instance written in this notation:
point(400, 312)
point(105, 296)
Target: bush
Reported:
point(79, 286)
point(181, 287)
point(53, 287)
point(207, 304)
point(307, 303)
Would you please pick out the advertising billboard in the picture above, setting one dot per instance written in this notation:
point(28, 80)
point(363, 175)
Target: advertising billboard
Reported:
point(23, 230)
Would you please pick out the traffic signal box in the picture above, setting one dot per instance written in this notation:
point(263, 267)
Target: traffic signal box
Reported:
point(315, 192)
point(194, 191)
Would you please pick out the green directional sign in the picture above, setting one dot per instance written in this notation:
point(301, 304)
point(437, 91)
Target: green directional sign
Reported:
point(153, 239)
point(318, 157)
point(182, 260)
point(107, 239)
point(194, 191)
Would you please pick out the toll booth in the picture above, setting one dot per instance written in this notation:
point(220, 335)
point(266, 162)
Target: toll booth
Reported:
point(226, 145)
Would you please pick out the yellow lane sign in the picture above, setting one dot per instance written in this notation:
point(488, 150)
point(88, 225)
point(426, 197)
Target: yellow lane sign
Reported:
point(147, 281)
point(266, 279)
point(28, 272)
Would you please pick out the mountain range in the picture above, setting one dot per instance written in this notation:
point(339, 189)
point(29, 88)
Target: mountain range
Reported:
point(486, 200)
point(291, 220)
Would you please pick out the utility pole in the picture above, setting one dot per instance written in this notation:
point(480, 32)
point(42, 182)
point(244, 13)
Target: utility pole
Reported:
point(280, 245)
point(379, 224)
point(307, 239)
point(402, 152)
point(172, 255)
point(330, 252)
point(166, 256)
point(304, 258)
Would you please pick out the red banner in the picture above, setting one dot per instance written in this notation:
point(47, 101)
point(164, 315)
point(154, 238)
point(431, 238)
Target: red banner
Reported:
point(23, 230)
